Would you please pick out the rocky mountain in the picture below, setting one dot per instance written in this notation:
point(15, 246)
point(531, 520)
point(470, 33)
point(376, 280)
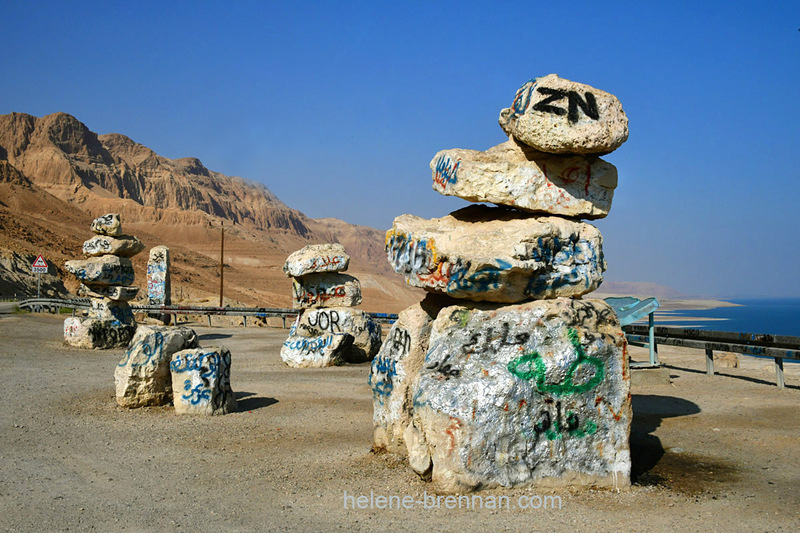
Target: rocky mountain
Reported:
point(56, 175)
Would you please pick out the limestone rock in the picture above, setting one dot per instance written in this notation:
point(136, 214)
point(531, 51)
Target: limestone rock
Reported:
point(326, 290)
point(201, 381)
point(572, 186)
point(123, 246)
point(536, 393)
point(112, 292)
point(158, 276)
point(317, 258)
point(143, 376)
point(560, 116)
point(109, 224)
point(361, 326)
point(315, 352)
point(111, 310)
point(497, 254)
point(106, 270)
point(92, 333)
point(395, 367)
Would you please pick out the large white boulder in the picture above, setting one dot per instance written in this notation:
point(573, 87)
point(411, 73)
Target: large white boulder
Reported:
point(560, 116)
point(529, 394)
point(366, 332)
point(90, 333)
point(326, 290)
point(319, 351)
point(317, 258)
point(497, 254)
point(122, 246)
point(105, 270)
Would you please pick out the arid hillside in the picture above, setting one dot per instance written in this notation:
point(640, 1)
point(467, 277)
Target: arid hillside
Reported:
point(56, 175)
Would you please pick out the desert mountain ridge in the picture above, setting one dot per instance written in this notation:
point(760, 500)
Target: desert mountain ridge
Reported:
point(56, 175)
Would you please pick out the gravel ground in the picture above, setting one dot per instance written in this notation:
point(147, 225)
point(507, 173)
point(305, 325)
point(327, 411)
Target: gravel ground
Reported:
point(710, 454)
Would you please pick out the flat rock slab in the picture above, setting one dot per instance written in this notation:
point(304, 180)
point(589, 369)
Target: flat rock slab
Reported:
point(315, 352)
point(573, 186)
point(317, 258)
point(109, 224)
point(93, 333)
point(394, 368)
point(112, 310)
point(143, 376)
point(112, 292)
point(560, 116)
point(497, 254)
point(530, 394)
point(201, 381)
point(123, 246)
point(326, 290)
point(105, 270)
point(361, 326)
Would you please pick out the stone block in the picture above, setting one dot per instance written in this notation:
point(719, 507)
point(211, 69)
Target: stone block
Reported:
point(109, 224)
point(112, 292)
point(324, 350)
point(326, 290)
point(361, 326)
point(123, 246)
point(201, 381)
point(90, 333)
point(317, 258)
point(105, 270)
point(159, 291)
point(112, 311)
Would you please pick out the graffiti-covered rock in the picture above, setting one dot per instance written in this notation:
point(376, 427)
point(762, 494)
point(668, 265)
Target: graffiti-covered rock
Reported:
point(123, 246)
point(507, 174)
point(320, 351)
point(366, 332)
point(559, 116)
point(158, 276)
point(201, 381)
point(394, 369)
point(109, 224)
point(536, 393)
point(112, 292)
point(326, 290)
point(317, 258)
point(497, 254)
point(89, 333)
point(143, 377)
point(112, 310)
point(105, 270)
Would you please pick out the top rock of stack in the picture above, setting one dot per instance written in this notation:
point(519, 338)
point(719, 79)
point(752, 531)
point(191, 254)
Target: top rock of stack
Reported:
point(316, 258)
point(560, 116)
point(109, 224)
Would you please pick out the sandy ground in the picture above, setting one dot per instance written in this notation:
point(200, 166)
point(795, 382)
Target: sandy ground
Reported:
point(710, 454)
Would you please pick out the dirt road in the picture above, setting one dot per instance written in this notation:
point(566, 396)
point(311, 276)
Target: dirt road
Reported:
point(710, 454)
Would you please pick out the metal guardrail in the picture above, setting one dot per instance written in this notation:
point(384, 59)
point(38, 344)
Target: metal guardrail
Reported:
point(779, 347)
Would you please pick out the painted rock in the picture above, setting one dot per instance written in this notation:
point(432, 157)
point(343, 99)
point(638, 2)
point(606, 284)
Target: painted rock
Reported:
point(395, 367)
point(201, 381)
point(109, 224)
point(559, 116)
point(158, 276)
point(328, 349)
point(111, 310)
point(497, 254)
point(124, 246)
point(317, 258)
point(530, 394)
point(105, 270)
point(90, 333)
point(143, 376)
point(507, 174)
point(112, 292)
point(326, 290)
point(361, 326)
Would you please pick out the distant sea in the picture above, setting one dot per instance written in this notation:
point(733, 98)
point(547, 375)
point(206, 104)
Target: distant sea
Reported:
point(775, 316)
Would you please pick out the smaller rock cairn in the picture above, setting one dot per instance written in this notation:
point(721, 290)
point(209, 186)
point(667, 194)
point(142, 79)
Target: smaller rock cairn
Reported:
point(504, 375)
point(106, 277)
point(329, 330)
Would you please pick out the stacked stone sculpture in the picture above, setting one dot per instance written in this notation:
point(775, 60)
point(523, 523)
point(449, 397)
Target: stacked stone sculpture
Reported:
point(503, 375)
point(329, 330)
point(106, 277)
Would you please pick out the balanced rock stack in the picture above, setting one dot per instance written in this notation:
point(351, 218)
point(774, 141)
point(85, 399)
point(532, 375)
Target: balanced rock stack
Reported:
point(503, 375)
point(106, 277)
point(329, 330)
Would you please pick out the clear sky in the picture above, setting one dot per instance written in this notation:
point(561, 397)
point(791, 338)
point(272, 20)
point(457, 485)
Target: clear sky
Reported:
point(338, 107)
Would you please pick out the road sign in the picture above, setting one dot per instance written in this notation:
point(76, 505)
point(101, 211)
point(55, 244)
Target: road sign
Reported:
point(39, 266)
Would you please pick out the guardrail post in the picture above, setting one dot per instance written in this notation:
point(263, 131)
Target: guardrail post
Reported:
point(653, 346)
point(709, 362)
point(244, 317)
point(779, 372)
point(209, 320)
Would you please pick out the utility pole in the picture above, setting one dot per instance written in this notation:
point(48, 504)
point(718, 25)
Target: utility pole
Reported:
point(221, 252)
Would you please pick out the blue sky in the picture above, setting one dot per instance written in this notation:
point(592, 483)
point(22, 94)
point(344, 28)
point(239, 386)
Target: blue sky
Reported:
point(338, 107)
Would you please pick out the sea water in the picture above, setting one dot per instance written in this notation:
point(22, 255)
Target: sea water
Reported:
point(775, 316)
